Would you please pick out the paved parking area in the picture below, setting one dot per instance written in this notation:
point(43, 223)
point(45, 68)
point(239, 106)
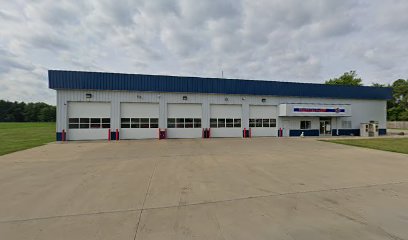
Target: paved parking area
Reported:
point(227, 189)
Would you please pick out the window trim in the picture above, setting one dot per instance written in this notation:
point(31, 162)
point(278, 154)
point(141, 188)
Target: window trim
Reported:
point(88, 123)
point(307, 126)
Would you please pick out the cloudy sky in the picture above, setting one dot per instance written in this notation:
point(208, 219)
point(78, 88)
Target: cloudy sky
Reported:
point(286, 40)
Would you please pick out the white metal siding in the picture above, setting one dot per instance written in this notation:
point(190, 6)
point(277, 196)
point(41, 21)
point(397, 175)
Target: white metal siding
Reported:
point(139, 110)
point(263, 112)
point(363, 110)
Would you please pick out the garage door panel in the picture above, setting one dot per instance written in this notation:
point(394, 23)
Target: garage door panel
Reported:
point(88, 120)
point(184, 120)
point(262, 120)
point(184, 133)
point(184, 110)
point(262, 111)
point(88, 134)
point(139, 120)
point(143, 133)
point(89, 109)
point(226, 120)
point(226, 111)
point(141, 110)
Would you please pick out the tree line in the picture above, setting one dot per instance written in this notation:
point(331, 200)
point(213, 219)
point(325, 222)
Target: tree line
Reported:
point(397, 106)
point(26, 112)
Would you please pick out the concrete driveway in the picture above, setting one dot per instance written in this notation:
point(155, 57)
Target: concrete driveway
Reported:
point(229, 189)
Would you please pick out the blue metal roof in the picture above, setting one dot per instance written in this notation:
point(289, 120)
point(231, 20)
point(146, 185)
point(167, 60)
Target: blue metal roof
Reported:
point(59, 79)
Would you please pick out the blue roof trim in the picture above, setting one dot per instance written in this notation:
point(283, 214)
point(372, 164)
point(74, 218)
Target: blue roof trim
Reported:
point(59, 79)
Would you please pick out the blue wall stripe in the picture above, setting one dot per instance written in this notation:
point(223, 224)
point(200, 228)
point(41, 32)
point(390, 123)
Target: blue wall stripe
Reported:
point(306, 133)
point(58, 136)
point(382, 131)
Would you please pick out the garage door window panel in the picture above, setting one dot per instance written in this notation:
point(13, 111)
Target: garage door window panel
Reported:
point(237, 123)
point(95, 123)
point(213, 123)
point(135, 122)
point(229, 122)
point(73, 123)
point(84, 123)
point(221, 122)
point(258, 122)
point(144, 123)
point(125, 123)
point(251, 122)
point(154, 122)
point(105, 122)
point(197, 122)
point(179, 122)
point(265, 123)
point(272, 122)
point(171, 122)
point(189, 123)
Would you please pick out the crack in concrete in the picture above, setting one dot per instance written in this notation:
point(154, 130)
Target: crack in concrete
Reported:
point(144, 200)
point(200, 203)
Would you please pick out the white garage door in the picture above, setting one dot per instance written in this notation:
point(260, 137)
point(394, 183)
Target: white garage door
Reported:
point(262, 120)
point(139, 120)
point(184, 120)
point(88, 120)
point(225, 120)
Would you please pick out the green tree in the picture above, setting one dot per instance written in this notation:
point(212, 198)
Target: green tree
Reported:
point(47, 114)
point(378, 85)
point(397, 107)
point(22, 112)
point(348, 78)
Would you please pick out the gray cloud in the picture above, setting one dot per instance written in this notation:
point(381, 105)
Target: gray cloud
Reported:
point(287, 40)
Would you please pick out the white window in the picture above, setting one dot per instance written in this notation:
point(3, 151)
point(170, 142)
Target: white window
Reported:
point(139, 123)
point(305, 125)
point(262, 122)
point(86, 123)
point(183, 122)
point(225, 122)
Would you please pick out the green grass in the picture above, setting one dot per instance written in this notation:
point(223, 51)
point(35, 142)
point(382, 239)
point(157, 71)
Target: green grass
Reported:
point(399, 145)
point(19, 136)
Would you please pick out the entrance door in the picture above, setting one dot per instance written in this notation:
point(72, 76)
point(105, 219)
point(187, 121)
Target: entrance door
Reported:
point(325, 126)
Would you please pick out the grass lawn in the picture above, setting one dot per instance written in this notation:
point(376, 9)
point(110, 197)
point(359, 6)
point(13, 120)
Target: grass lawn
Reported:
point(399, 145)
point(19, 136)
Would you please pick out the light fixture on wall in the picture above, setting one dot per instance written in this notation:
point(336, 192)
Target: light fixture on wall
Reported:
point(184, 97)
point(263, 100)
point(88, 95)
point(139, 97)
point(226, 99)
point(243, 98)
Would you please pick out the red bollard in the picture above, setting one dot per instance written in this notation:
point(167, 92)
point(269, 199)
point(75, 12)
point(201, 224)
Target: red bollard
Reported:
point(244, 132)
point(63, 135)
point(109, 134)
point(117, 134)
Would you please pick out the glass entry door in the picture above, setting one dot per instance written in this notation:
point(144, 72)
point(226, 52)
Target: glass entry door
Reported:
point(325, 126)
